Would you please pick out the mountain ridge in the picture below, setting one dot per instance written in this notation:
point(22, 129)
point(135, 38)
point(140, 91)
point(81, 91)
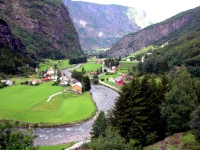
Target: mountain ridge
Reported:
point(45, 27)
point(157, 34)
point(99, 26)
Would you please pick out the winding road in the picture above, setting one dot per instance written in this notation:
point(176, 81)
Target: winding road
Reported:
point(103, 97)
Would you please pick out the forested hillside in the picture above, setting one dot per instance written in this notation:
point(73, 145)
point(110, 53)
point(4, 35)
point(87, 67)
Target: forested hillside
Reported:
point(44, 26)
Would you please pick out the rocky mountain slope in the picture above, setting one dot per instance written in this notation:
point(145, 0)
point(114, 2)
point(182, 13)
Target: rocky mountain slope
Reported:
point(158, 34)
point(99, 26)
point(44, 26)
point(13, 53)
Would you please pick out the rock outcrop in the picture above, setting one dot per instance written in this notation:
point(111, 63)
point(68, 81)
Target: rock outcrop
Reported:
point(8, 40)
point(168, 31)
point(99, 26)
point(135, 41)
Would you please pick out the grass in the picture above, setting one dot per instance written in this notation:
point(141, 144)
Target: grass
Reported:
point(89, 67)
point(56, 147)
point(26, 103)
point(126, 66)
point(61, 64)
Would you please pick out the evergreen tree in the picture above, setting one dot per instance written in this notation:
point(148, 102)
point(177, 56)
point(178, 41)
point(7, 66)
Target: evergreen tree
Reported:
point(128, 113)
point(86, 83)
point(100, 125)
point(179, 102)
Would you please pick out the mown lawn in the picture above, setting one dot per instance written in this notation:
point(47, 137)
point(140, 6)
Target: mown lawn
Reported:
point(61, 64)
point(89, 67)
point(56, 147)
point(29, 104)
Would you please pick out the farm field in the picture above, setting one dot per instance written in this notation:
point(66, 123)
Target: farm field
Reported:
point(89, 67)
point(125, 66)
point(26, 103)
point(61, 64)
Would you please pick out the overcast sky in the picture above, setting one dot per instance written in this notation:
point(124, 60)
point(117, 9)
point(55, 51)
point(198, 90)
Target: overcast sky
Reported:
point(157, 10)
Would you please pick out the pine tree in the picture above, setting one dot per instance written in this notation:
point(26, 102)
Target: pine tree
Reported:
point(179, 102)
point(128, 113)
point(100, 126)
point(86, 83)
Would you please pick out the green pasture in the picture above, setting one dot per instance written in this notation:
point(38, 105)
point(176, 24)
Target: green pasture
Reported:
point(61, 64)
point(26, 103)
point(56, 147)
point(126, 66)
point(89, 67)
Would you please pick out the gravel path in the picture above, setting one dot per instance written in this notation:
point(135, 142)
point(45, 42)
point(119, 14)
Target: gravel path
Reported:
point(104, 98)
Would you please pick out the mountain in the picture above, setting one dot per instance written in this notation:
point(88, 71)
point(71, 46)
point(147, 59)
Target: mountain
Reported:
point(13, 53)
point(44, 26)
point(99, 26)
point(167, 31)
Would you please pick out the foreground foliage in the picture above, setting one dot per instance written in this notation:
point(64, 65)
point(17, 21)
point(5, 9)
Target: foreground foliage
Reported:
point(13, 139)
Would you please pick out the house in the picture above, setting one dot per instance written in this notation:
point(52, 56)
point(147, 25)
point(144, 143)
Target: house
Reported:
point(114, 69)
point(32, 82)
point(93, 73)
point(119, 81)
point(50, 71)
point(63, 82)
point(45, 79)
point(7, 82)
point(77, 88)
point(111, 79)
point(73, 81)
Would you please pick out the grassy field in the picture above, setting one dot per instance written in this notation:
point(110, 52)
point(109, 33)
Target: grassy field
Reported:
point(28, 104)
point(61, 64)
point(89, 67)
point(56, 147)
point(125, 66)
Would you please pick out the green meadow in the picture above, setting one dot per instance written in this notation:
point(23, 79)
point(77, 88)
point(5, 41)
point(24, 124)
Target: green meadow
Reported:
point(56, 147)
point(48, 63)
point(89, 67)
point(26, 103)
point(126, 66)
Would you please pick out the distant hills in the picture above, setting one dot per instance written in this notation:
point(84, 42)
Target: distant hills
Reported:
point(167, 31)
point(44, 26)
point(99, 26)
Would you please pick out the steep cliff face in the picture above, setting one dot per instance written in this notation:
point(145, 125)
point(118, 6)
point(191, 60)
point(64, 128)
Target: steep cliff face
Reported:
point(99, 26)
point(7, 39)
point(157, 34)
point(13, 53)
point(45, 27)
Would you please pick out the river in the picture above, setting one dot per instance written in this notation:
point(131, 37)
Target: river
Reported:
point(103, 97)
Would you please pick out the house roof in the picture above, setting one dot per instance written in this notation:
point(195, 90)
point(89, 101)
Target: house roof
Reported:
point(118, 79)
point(78, 84)
point(74, 81)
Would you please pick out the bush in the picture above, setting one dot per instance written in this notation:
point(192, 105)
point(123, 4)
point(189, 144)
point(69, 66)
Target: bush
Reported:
point(102, 79)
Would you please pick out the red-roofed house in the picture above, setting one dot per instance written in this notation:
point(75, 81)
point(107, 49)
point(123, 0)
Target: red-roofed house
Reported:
point(119, 81)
